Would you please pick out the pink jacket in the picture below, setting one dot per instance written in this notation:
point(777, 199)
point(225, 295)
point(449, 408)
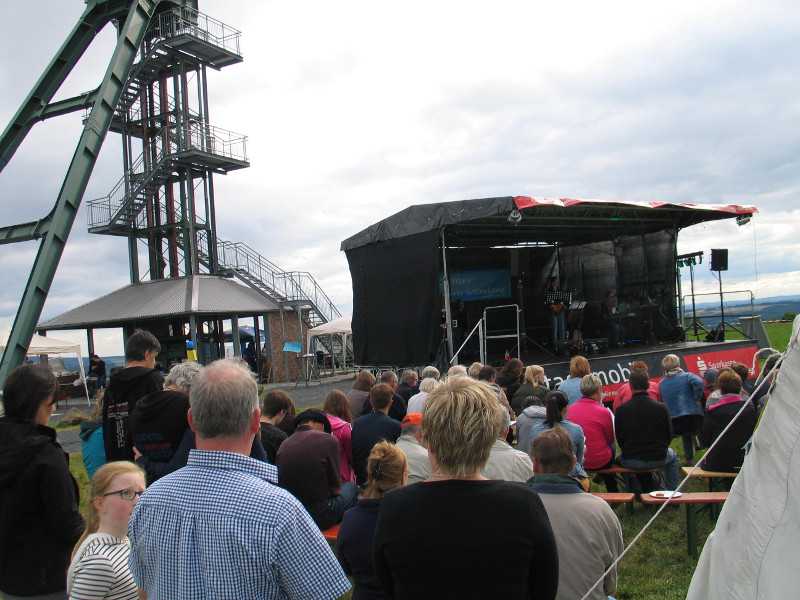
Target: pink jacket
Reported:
point(342, 431)
point(597, 423)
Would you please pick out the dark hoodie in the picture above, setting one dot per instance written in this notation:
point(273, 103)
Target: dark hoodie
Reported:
point(39, 518)
point(124, 390)
point(158, 423)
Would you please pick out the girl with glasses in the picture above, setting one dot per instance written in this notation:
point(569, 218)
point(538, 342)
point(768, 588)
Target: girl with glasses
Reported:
point(99, 566)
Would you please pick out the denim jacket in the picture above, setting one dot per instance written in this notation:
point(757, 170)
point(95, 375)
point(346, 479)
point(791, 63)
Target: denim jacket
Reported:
point(576, 437)
point(682, 393)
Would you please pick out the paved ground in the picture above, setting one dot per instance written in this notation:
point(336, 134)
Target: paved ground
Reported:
point(302, 395)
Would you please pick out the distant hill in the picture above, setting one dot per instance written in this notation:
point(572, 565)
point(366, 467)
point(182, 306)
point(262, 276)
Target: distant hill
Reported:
point(770, 309)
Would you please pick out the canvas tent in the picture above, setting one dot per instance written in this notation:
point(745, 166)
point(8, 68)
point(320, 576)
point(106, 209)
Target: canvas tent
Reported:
point(753, 552)
point(338, 327)
point(47, 345)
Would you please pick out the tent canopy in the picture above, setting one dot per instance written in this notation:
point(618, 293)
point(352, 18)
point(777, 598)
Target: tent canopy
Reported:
point(47, 345)
point(336, 327)
point(489, 221)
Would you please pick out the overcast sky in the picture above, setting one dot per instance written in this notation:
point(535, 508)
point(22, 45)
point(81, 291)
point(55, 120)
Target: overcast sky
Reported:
point(355, 110)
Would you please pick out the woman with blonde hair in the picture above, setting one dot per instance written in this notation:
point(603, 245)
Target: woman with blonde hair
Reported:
point(579, 367)
point(445, 524)
point(387, 469)
point(532, 391)
point(99, 567)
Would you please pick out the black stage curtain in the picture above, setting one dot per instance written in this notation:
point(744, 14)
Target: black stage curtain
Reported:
point(396, 300)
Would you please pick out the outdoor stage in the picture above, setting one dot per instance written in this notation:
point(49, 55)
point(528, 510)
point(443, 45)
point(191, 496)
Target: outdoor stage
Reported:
point(480, 272)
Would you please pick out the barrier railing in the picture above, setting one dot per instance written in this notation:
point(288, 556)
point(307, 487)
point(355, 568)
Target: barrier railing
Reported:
point(188, 21)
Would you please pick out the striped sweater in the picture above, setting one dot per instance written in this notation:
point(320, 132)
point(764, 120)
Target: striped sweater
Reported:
point(99, 569)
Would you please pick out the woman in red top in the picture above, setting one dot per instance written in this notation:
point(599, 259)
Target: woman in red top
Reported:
point(624, 393)
point(597, 423)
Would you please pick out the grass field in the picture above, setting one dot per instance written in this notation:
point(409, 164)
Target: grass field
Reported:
point(658, 567)
point(778, 334)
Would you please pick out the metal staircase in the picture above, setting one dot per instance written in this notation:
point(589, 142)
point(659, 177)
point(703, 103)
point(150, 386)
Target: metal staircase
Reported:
point(295, 289)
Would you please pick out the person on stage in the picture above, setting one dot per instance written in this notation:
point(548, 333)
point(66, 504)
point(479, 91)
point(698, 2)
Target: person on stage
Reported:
point(553, 299)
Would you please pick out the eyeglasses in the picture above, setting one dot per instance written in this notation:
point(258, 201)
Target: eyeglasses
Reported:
point(126, 494)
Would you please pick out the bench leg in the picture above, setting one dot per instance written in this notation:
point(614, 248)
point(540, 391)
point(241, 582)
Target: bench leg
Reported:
point(629, 507)
point(691, 530)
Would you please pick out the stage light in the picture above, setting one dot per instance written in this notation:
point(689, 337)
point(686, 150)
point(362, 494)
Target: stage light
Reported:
point(743, 220)
point(515, 217)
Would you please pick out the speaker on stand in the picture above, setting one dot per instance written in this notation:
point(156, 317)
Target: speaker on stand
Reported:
point(719, 263)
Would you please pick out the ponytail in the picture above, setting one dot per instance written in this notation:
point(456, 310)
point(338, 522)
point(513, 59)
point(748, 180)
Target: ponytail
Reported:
point(386, 466)
point(554, 403)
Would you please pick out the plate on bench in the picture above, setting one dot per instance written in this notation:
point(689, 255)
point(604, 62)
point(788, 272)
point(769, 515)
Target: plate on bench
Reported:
point(664, 494)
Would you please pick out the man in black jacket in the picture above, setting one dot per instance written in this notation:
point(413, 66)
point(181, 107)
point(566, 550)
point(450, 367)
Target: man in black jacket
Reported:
point(136, 380)
point(644, 431)
point(371, 428)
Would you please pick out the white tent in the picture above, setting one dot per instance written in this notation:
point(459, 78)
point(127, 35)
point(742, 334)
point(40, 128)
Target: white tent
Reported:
point(47, 345)
point(340, 327)
point(754, 550)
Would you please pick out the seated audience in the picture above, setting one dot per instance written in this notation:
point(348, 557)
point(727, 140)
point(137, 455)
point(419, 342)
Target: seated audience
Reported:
point(221, 527)
point(624, 392)
point(158, 421)
point(39, 517)
point(337, 410)
point(710, 377)
point(505, 463)
point(532, 390)
point(510, 377)
point(587, 531)
point(770, 372)
point(556, 406)
point(398, 408)
point(744, 374)
point(457, 371)
point(286, 424)
point(409, 385)
point(360, 392)
point(488, 375)
point(417, 402)
point(99, 567)
point(644, 432)
point(597, 423)
point(93, 451)
point(728, 455)
point(529, 418)
point(308, 466)
point(373, 427)
point(386, 470)
point(433, 538)
point(474, 369)
point(274, 408)
point(430, 372)
point(410, 442)
point(682, 394)
point(716, 394)
point(571, 386)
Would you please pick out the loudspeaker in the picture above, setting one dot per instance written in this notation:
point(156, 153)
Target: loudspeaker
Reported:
point(719, 259)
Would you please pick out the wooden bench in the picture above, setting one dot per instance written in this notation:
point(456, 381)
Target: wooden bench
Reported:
point(615, 498)
point(709, 476)
point(331, 534)
point(620, 470)
point(690, 500)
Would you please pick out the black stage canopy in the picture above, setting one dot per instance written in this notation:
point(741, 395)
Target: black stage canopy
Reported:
point(397, 264)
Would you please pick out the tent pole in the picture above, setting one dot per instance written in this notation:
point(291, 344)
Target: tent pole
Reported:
point(446, 292)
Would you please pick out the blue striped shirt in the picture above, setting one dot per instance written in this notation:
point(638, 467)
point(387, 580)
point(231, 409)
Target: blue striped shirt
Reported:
point(221, 528)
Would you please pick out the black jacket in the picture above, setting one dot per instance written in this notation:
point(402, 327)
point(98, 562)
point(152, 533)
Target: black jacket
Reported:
point(728, 455)
point(397, 410)
point(643, 428)
point(158, 422)
point(39, 518)
point(405, 391)
point(368, 430)
point(124, 390)
point(354, 549)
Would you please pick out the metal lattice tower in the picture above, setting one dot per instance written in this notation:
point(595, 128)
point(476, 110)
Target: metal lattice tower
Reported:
point(154, 94)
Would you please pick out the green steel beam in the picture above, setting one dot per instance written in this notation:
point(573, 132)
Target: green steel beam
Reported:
point(89, 23)
point(25, 232)
point(131, 35)
point(63, 107)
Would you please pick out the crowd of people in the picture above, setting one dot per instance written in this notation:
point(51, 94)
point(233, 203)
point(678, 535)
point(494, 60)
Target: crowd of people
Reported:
point(200, 488)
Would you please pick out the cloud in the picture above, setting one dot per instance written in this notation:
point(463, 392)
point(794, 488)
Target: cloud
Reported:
point(362, 108)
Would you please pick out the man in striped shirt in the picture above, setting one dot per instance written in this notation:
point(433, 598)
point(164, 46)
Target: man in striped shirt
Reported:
point(221, 527)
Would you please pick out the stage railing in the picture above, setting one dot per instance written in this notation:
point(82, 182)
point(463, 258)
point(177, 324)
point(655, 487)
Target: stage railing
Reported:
point(500, 336)
point(479, 328)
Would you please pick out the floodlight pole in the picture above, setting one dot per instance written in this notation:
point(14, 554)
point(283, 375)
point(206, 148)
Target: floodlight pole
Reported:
point(721, 305)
